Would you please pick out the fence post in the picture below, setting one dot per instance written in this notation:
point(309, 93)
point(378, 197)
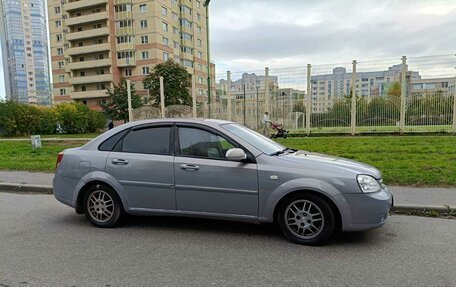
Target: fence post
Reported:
point(162, 97)
point(194, 96)
point(454, 109)
point(228, 94)
point(266, 89)
point(130, 111)
point(353, 99)
point(403, 93)
point(309, 98)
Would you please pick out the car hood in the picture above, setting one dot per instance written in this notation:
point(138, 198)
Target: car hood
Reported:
point(306, 157)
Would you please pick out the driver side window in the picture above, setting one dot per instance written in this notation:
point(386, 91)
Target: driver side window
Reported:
point(200, 143)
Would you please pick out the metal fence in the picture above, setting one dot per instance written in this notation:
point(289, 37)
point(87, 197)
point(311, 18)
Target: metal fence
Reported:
point(389, 95)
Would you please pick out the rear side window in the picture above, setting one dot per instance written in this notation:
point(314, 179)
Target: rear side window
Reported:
point(109, 144)
point(153, 140)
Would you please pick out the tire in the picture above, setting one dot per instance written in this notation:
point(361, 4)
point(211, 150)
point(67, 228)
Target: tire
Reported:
point(306, 219)
point(102, 206)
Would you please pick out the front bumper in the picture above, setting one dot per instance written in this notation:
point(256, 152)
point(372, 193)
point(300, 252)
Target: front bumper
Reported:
point(364, 211)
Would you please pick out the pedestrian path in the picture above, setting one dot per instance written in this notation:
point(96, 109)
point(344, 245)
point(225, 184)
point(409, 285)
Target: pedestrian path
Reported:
point(412, 196)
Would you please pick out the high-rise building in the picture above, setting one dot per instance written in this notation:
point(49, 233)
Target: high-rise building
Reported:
point(96, 42)
point(330, 87)
point(24, 44)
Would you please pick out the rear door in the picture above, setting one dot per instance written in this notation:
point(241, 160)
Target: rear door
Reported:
point(143, 164)
point(205, 181)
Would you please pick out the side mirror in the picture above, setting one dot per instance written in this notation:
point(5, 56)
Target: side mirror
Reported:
point(235, 154)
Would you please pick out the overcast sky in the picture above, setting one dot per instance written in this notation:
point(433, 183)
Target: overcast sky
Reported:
point(251, 34)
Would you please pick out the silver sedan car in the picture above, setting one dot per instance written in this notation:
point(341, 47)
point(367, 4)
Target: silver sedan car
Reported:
point(222, 170)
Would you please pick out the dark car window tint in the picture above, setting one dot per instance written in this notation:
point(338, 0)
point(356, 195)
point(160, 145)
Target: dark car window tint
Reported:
point(148, 140)
point(109, 144)
point(200, 143)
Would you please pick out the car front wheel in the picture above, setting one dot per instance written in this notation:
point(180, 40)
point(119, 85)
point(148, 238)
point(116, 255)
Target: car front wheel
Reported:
point(102, 206)
point(306, 219)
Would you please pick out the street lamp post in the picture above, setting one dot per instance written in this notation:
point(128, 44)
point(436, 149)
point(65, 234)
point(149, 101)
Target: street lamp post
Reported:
point(206, 5)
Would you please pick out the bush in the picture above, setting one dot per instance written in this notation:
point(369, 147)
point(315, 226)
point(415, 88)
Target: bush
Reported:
point(20, 119)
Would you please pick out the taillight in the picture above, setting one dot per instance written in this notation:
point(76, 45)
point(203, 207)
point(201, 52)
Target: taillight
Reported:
point(59, 159)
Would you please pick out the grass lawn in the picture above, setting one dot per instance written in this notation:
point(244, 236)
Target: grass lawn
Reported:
point(403, 160)
point(21, 156)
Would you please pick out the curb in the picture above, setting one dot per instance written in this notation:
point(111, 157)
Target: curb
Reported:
point(424, 209)
point(25, 188)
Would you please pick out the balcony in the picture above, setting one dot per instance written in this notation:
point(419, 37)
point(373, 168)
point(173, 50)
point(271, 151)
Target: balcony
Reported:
point(126, 62)
point(119, 2)
point(89, 94)
point(125, 46)
point(88, 64)
point(186, 29)
point(88, 34)
point(88, 49)
point(75, 5)
point(87, 18)
point(188, 43)
point(124, 30)
point(90, 79)
point(124, 15)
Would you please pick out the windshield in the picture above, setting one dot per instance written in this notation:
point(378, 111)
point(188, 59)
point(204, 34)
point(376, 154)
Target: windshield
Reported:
point(255, 139)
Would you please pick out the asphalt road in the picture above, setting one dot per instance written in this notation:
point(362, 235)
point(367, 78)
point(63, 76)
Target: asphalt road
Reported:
point(44, 243)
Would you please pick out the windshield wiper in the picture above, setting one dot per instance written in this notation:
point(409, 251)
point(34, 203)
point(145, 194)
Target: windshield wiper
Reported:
point(287, 149)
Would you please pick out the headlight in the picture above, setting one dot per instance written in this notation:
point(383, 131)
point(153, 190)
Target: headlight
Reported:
point(367, 183)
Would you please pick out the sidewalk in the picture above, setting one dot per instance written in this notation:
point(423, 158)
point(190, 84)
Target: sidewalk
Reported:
point(406, 197)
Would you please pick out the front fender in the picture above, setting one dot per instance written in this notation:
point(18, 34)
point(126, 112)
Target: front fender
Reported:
point(302, 184)
point(103, 177)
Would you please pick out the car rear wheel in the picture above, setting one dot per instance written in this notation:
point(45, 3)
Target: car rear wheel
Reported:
point(102, 206)
point(306, 219)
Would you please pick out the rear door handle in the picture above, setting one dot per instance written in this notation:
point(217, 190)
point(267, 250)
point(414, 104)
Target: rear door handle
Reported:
point(189, 167)
point(119, 161)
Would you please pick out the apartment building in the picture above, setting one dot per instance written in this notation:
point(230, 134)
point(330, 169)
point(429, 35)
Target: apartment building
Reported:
point(330, 87)
point(23, 37)
point(96, 42)
point(445, 86)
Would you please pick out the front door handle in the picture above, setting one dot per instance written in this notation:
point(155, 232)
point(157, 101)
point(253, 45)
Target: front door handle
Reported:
point(119, 161)
point(189, 167)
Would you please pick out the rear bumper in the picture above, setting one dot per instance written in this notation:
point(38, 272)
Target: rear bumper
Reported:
point(366, 211)
point(64, 188)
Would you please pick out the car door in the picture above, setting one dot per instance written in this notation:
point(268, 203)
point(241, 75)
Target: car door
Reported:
point(205, 181)
point(143, 164)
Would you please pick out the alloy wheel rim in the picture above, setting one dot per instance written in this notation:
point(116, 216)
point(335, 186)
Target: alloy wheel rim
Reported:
point(304, 219)
point(100, 206)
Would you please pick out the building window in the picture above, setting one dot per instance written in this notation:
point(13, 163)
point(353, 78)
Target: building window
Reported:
point(198, 42)
point(57, 9)
point(144, 39)
point(197, 4)
point(59, 37)
point(83, 88)
point(165, 56)
point(61, 65)
point(200, 80)
point(175, 16)
point(128, 72)
point(176, 45)
point(59, 51)
point(145, 70)
point(175, 31)
point(165, 27)
point(164, 11)
point(62, 92)
point(200, 54)
point(82, 74)
point(143, 23)
point(165, 41)
point(187, 63)
point(143, 8)
point(61, 78)
point(198, 29)
point(58, 23)
point(200, 67)
point(198, 16)
point(145, 55)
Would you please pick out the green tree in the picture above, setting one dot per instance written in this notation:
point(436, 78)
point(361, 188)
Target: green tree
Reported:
point(176, 84)
point(116, 106)
point(394, 90)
